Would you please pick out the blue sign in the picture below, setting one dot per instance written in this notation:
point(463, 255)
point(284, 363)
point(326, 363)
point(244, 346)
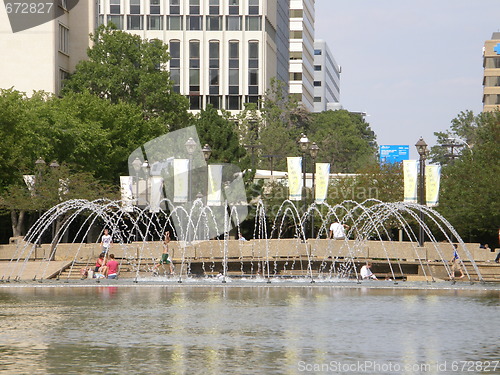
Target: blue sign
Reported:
point(394, 153)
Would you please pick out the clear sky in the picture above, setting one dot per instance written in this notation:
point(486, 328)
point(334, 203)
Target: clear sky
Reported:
point(412, 66)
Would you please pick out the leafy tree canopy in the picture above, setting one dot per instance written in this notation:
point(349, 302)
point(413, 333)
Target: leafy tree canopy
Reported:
point(124, 67)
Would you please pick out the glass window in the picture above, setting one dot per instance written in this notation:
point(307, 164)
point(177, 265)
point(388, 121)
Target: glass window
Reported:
point(233, 23)
point(195, 102)
point(492, 62)
point(215, 101)
point(295, 34)
point(214, 23)
point(155, 22)
point(194, 6)
point(194, 22)
point(114, 7)
point(174, 22)
point(253, 23)
point(252, 99)
point(234, 51)
point(234, 6)
point(135, 7)
point(154, 7)
point(63, 39)
point(296, 13)
point(317, 68)
point(213, 77)
point(214, 7)
point(253, 7)
point(135, 22)
point(317, 99)
point(175, 7)
point(317, 83)
point(117, 21)
point(317, 52)
point(233, 102)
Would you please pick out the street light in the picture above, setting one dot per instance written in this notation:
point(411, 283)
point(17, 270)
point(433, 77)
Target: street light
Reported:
point(54, 164)
point(304, 145)
point(313, 150)
point(422, 151)
point(136, 164)
point(145, 168)
point(207, 151)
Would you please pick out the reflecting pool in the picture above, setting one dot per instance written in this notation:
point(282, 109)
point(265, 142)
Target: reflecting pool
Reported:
point(241, 328)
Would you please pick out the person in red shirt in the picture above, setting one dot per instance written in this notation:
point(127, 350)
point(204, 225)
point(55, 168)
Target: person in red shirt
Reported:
point(112, 267)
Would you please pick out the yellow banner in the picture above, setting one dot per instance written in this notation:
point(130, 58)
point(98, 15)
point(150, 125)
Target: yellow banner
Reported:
point(410, 180)
point(432, 179)
point(322, 178)
point(214, 196)
point(294, 180)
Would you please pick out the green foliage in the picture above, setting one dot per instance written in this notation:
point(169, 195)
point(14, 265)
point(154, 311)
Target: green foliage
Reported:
point(122, 67)
point(469, 185)
point(345, 140)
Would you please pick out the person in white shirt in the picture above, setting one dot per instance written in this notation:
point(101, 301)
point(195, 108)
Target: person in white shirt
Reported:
point(337, 230)
point(106, 241)
point(366, 272)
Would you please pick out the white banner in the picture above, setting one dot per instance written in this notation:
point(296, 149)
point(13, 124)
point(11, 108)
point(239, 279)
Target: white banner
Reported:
point(29, 180)
point(156, 193)
point(432, 179)
point(322, 179)
point(294, 180)
point(127, 193)
point(214, 193)
point(181, 176)
point(410, 172)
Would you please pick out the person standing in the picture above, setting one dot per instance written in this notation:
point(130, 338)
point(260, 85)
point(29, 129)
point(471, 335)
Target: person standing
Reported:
point(106, 241)
point(337, 230)
point(112, 267)
point(165, 258)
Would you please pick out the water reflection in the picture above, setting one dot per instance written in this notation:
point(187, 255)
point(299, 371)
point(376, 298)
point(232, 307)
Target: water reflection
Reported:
point(214, 330)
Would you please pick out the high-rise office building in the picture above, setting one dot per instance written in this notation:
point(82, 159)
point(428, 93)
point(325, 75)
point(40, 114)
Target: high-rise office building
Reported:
point(41, 57)
point(301, 51)
point(491, 79)
point(223, 52)
point(326, 78)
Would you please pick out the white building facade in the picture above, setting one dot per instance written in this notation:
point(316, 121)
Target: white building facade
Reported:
point(326, 78)
point(223, 52)
point(301, 51)
point(41, 57)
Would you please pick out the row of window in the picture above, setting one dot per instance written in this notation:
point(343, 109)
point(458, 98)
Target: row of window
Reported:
point(174, 7)
point(214, 67)
point(212, 23)
point(229, 102)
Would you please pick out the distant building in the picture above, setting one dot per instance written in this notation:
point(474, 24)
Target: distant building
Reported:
point(40, 58)
point(326, 79)
point(491, 80)
point(223, 53)
point(301, 51)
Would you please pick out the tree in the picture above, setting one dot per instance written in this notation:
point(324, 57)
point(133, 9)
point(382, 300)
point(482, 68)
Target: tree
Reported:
point(469, 195)
point(122, 67)
point(345, 140)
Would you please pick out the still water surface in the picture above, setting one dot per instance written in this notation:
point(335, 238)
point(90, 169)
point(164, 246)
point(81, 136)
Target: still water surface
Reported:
point(246, 329)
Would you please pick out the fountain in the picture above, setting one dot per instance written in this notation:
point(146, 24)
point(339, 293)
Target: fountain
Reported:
point(278, 250)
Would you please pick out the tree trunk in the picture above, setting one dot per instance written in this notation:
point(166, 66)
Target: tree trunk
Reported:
point(17, 222)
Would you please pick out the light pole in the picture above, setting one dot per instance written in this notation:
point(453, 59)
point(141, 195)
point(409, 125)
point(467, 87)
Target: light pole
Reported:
point(145, 168)
point(207, 152)
point(313, 150)
point(252, 147)
point(304, 145)
point(422, 151)
point(39, 166)
point(136, 164)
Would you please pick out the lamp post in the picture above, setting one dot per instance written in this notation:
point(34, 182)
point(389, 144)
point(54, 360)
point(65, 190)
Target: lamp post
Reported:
point(39, 166)
point(136, 164)
point(422, 151)
point(252, 147)
point(304, 145)
point(207, 152)
point(145, 168)
point(313, 150)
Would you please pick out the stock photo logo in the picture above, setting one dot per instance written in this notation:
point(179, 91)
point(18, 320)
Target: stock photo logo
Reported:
point(26, 14)
point(172, 170)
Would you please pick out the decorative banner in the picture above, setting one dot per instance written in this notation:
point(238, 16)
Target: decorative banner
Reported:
point(29, 180)
point(322, 176)
point(156, 193)
point(181, 177)
point(294, 180)
point(432, 179)
point(214, 193)
point(127, 193)
point(410, 173)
